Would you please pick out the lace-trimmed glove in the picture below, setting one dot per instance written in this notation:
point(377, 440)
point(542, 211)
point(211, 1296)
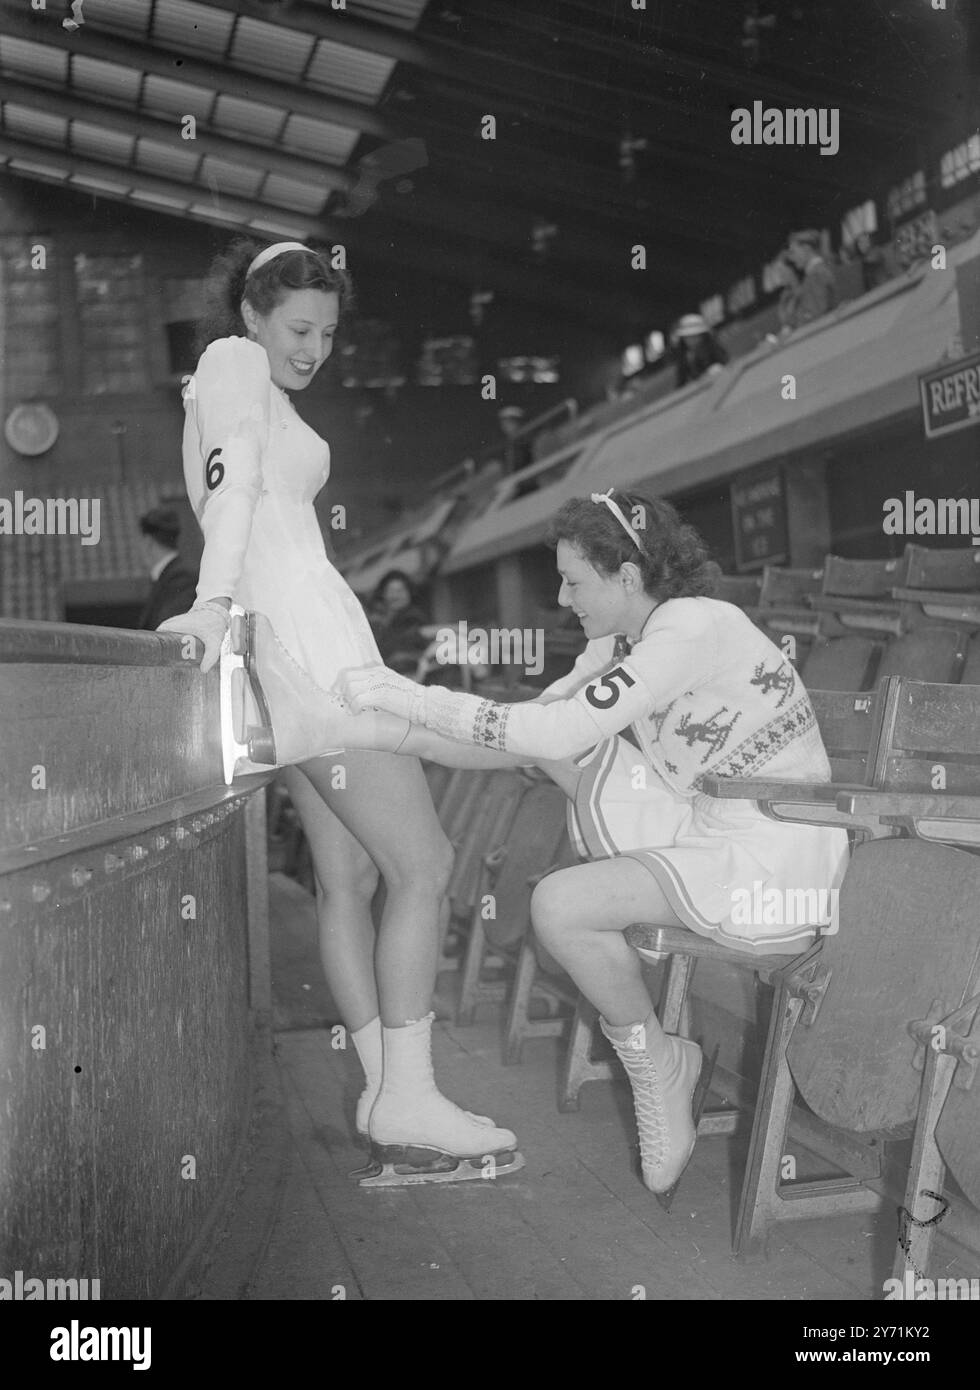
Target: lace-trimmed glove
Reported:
point(377, 687)
point(206, 621)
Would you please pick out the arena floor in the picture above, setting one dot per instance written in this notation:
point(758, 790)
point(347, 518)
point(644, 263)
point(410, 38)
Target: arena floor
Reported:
point(575, 1224)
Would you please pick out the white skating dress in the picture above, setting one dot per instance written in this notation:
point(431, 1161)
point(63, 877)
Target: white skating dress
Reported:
point(252, 468)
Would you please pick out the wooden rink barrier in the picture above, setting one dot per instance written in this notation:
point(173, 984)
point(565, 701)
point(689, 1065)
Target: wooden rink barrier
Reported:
point(134, 979)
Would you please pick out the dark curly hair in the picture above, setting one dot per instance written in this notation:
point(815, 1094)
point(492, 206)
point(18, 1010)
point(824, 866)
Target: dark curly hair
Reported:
point(228, 284)
point(672, 557)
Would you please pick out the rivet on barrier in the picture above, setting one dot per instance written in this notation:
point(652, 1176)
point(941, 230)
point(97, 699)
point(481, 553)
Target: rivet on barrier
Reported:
point(80, 876)
point(40, 891)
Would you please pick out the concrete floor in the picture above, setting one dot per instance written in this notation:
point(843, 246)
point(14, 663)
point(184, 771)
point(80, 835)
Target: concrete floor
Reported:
point(575, 1224)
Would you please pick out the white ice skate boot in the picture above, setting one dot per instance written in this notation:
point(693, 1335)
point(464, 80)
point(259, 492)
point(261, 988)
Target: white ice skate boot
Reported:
point(272, 712)
point(417, 1135)
point(666, 1095)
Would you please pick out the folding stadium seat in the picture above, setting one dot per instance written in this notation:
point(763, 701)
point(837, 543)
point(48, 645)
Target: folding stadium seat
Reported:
point(858, 594)
point(929, 653)
point(943, 584)
point(744, 590)
point(841, 663)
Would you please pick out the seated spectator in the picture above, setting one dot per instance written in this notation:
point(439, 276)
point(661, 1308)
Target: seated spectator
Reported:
point(397, 622)
point(791, 280)
point(518, 452)
point(696, 349)
point(874, 268)
point(817, 293)
point(174, 585)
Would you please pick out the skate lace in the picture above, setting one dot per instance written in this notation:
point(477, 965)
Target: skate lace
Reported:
point(648, 1100)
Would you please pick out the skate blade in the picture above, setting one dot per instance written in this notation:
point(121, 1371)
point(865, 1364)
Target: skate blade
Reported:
point(232, 682)
point(247, 744)
point(439, 1168)
point(698, 1098)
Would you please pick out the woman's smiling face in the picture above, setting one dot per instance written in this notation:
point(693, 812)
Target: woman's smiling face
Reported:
point(297, 335)
point(599, 600)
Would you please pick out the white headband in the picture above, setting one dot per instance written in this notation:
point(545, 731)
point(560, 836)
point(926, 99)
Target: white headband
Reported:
point(617, 512)
point(271, 252)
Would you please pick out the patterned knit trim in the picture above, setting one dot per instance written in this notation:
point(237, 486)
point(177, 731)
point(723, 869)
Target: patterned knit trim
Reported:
point(490, 724)
point(755, 753)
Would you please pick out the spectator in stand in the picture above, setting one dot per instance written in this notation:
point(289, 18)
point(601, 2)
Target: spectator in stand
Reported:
point(696, 349)
point(874, 269)
point(817, 293)
point(517, 447)
point(174, 586)
point(397, 622)
point(791, 281)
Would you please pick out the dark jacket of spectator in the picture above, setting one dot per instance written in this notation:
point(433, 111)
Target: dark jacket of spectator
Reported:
point(397, 622)
point(173, 592)
point(817, 293)
point(696, 349)
point(174, 586)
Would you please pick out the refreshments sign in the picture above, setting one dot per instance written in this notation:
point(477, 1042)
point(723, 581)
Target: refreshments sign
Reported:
point(951, 396)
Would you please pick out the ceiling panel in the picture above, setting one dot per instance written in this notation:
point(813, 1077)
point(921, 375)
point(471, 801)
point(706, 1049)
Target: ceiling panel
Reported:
point(289, 193)
point(332, 143)
point(119, 16)
point(100, 185)
point(96, 78)
point(29, 166)
point(236, 180)
point(349, 71)
point(95, 142)
point(175, 161)
point(269, 48)
point(160, 200)
point(400, 14)
point(177, 98)
point(33, 124)
point(180, 24)
point(32, 59)
point(248, 119)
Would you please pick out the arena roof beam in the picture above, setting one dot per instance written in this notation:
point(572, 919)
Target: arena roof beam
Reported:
point(161, 62)
point(461, 265)
point(243, 210)
point(268, 158)
point(651, 54)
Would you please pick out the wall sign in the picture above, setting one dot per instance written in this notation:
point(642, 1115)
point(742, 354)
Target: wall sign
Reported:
point(759, 520)
point(951, 396)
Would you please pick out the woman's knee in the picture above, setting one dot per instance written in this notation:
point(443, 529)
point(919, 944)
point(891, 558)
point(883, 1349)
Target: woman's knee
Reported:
point(551, 910)
point(355, 877)
point(428, 871)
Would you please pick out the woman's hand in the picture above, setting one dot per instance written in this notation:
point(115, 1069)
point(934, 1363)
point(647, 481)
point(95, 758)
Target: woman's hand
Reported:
point(206, 621)
point(377, 687)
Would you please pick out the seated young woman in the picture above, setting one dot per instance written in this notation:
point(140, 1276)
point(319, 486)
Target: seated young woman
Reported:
point(673, 686)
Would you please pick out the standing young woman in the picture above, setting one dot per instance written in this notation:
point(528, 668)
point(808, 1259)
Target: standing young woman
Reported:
point(252, 469)
point(703, 692)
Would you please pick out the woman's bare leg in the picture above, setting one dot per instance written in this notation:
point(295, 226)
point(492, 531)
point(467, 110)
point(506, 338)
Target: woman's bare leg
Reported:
point(383, 802)
point(580, 915)
point(346, 878)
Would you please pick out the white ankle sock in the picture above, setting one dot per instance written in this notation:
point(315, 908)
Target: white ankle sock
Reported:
point(368, 1044)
